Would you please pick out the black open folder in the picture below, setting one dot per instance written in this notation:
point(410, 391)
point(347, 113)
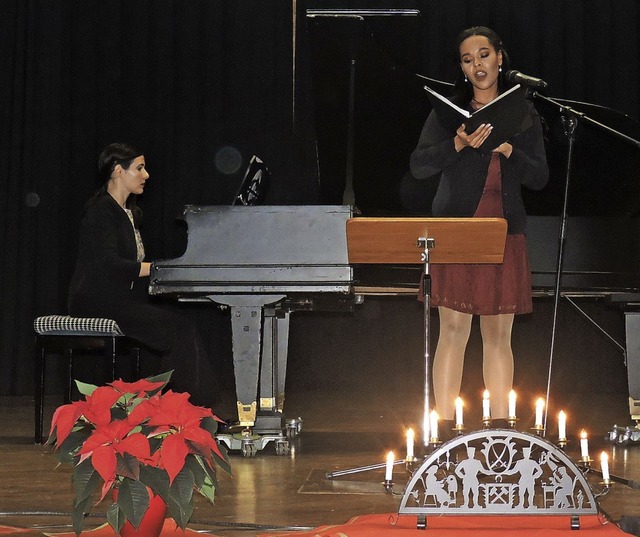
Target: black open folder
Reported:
point(508, 113)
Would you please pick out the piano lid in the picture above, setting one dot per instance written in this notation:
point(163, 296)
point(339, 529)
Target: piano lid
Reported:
point(259, 250)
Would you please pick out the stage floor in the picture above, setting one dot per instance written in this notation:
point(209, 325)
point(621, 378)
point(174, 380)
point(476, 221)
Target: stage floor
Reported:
point(341, 429)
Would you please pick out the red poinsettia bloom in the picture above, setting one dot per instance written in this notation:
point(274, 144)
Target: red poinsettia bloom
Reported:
point(140, 387)
point(107, 441)
point(179, 420)
point(111, 433)
point(96, 409)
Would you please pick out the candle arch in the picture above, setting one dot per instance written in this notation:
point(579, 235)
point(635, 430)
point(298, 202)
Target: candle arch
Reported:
point(498, 471)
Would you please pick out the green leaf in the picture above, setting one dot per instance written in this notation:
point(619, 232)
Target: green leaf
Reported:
point(85, 480)
point(77, 515)
point(115, 517)
point(53, 438)
point(156, 479)
point(210, 425)
point(181, 514)
point(223, 462)
point(180, 503)
point(84, 388)
point(118, 413)
point(128, 466)
point(204, 476)
point(208, 487)
point(208, 491)
point(163, 377)
point(133, 499)
point(68, 449)
point(192, 462)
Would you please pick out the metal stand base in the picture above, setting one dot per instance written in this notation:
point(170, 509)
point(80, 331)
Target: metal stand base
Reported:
point(249, 441)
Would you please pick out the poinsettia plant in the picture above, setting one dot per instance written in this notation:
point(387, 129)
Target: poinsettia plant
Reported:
point(133, 438)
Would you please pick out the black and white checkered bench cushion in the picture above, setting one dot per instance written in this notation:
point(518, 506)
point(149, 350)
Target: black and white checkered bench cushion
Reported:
point(64, 325)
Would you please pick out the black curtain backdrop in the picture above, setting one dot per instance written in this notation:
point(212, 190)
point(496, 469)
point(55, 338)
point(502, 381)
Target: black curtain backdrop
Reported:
point(201, 85)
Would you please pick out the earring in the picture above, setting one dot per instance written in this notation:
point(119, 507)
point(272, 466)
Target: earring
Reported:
point(500, 68)
point(466, 79)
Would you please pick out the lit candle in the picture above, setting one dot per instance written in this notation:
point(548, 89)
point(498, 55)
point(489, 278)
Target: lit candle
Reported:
point(539, 409)
point(604, 466)
point(389, 468)
point(486, 406)
point(410, 438)
point(584, 445)
point(562, 425)
point(459, 406)
point(434, 425)
point(512, 404)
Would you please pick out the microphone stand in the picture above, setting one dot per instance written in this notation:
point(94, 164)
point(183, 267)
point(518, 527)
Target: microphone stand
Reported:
point(570, 120)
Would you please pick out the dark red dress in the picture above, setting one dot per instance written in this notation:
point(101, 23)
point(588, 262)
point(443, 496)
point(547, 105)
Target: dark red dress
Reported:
point(487, 289)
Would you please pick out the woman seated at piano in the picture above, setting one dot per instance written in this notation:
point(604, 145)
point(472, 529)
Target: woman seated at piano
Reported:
point(111, 276)
point(476, 182)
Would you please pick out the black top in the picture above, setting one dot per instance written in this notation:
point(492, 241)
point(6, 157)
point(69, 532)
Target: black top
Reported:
point(107, 253)
point(462, 174)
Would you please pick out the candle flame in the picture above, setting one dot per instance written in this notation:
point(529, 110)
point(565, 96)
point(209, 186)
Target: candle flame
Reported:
point(485, 395)
point(410, 434)
point(583, 434)
point(604, 457)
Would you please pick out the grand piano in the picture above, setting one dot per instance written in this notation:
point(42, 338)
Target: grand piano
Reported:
point(261, 262)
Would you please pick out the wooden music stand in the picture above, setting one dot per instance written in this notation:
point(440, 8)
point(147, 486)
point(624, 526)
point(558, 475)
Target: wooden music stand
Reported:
point(425, 241)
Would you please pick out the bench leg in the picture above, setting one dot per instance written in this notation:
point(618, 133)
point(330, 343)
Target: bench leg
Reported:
point(39, 367)
point(69, 356)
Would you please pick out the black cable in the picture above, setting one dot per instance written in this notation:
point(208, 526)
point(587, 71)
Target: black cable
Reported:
point(234, 525)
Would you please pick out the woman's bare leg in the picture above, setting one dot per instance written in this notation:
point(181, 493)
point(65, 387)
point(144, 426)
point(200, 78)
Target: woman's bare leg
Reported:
point(497, 366)
point(448, 362)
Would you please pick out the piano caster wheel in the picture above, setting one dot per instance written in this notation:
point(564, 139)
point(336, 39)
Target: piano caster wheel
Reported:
point(249, 449)
point(282, 447)
point(294, 426)
point(623, 436)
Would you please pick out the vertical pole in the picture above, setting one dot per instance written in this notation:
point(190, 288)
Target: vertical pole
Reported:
point(426, 243)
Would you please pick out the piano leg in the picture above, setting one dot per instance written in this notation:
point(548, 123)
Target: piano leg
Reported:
point(260, 337)
point(273, 369)
point(632, 329)
point(274, 359)
point(246, 327)
point(260, 349)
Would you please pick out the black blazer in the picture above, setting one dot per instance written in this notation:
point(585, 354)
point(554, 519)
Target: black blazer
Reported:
point(106, 268)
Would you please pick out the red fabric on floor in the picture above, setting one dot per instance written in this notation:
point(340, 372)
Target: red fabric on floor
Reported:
point(450, 526)
point(8, 530)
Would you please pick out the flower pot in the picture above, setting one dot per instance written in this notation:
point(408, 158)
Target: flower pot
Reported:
point(152, 521)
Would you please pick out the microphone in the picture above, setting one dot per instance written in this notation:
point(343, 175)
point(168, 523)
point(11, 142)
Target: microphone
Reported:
point(516, 77)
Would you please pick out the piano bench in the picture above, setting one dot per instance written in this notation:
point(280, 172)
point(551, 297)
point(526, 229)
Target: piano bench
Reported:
point(64, 334)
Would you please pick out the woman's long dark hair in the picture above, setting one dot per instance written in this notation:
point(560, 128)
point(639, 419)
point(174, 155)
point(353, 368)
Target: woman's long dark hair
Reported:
point(111, 156)
point(463, 90)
